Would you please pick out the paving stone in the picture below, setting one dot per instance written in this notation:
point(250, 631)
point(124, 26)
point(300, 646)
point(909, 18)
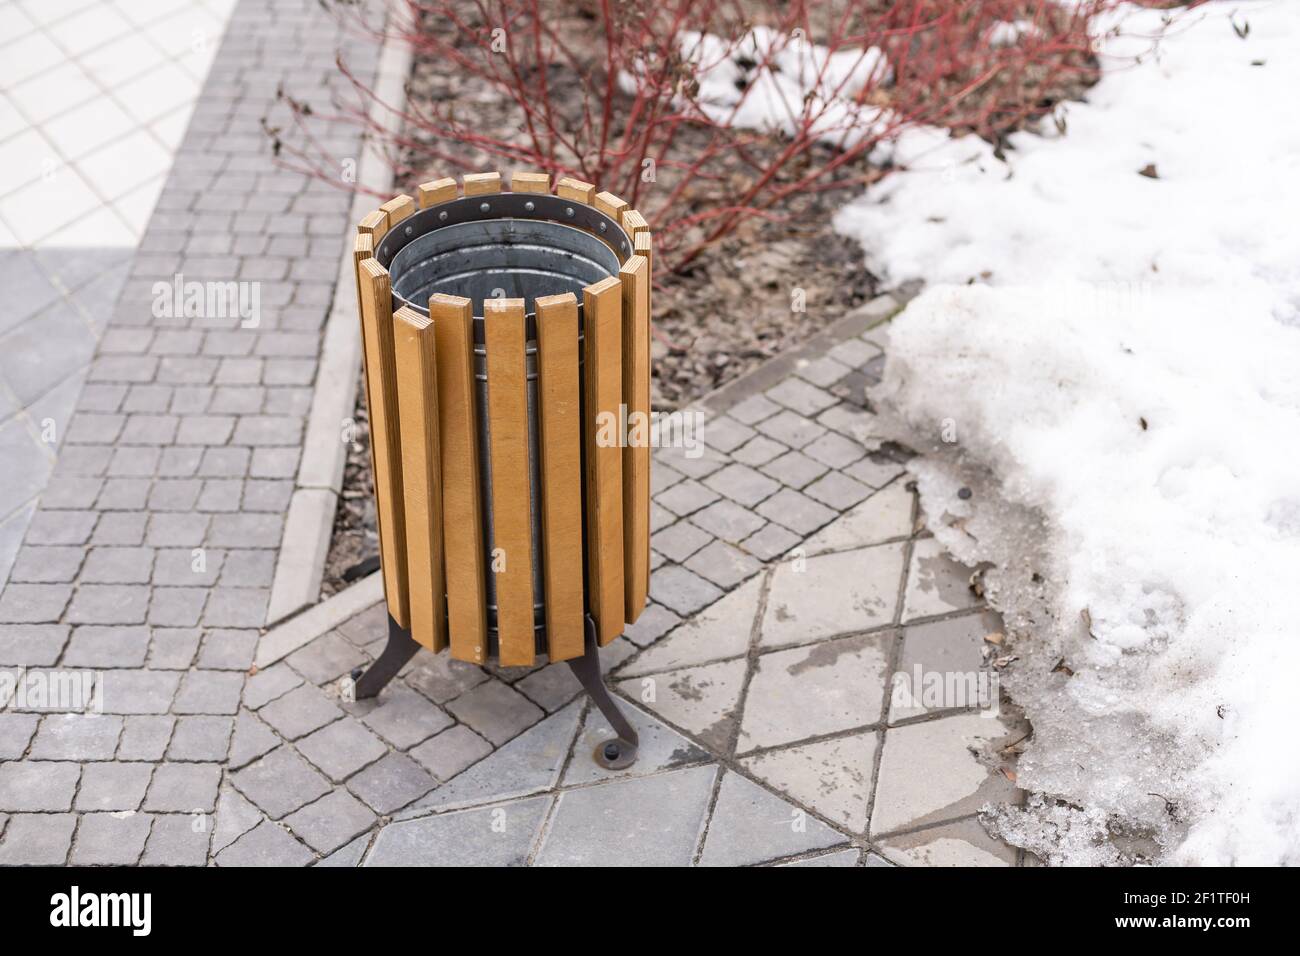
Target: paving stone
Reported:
point(173, 648)
point(528, 764)
point(280, 782)
point(742, 483)
point(931, 772)
point(113, 787)
point(662, 477)
point(814, 691)
point(964, 843)
point(77, 737)
point(61, 527)
point(753, 409)
point(299, 712)
point(36, 786)
point(654, 622)
point(831, 777)
point(37, 839)
point(177, 530)
point(681, 590)
point(885, 515)
point(145, 737)
point(348, 856)
point(876, 470)
point(794, 469)
point(759, 450)
point(936, 584)
point(267, 844)
point(493, 710)
point(852, 422)
point(177, 607)
point(795, 511)
point(832, 594)
point(550, 687)
point(331, 821)
point(719, 632)
point(722, 564)
point(440, 678)
point(751, 825)
point(679, 541)
point(701, 700)
point(834, 450)
point(837, 491)
point(391, 783)
point(174, 494)
point(251, 739)
point(326, 659)
point(642, 821)
point(942, 666)
point(201, 738)
point(660, 517)
point(183, 787)
point(246, 530)
point(32, 645)
point(451, 751)
point(726, 520)
point(209, 692)
point(139, 692)
point(660, 748)
point(696, 463)
point(267, 685)
point(772, 541)
point(725, 434)
point(107, 647)
point(34, 603)
point(229, 649)
point(342, 748)
point(235, 607)
point(16, 732)
point(124, 494)
point(371, 625)
point(838, 858)
point(822, 372)
point(493, 836)
point(234, 817)
point(119, 528)
point(249, 569)
point(686, 497)
point(47, 564)
point(854, 352)
point(176, 839)
point(791, 429)
point(110, 839)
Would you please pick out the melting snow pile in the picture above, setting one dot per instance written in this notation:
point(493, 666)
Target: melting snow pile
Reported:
point(1123, 381)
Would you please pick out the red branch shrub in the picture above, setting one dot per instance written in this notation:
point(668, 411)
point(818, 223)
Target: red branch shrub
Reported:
point(625, 94)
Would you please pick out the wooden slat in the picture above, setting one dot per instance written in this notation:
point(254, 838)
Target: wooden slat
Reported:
point(635, 276)
point(481, 184)
point(530, 183)
point(417, 404)
point(634, 223)
point(437, 191)
point(512, 526)
point(462, 514)
point(560, 414)
point(576, 190)
point(603, 389)
point(611, 206)
point(374, 224)
point(385, 436)
point(398, 208)
point(642, 245)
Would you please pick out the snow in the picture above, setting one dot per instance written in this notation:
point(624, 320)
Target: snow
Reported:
point(1118, 354)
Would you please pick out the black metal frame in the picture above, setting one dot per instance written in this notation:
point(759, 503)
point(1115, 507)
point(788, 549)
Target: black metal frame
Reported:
point(615, 754)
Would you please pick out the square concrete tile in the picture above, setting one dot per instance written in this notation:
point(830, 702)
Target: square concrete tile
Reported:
point(701, 700)
point(814, 691)
point(752, 825)
point(964, 843)
point(502, 835)
point(720, 631)
point(942, 667)
point(936, 584)
point(833, 594)
point(831, 777)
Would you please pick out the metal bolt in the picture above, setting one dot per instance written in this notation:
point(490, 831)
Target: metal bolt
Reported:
point(442, 216)
point(602, 227)
point(568, 211)
point(530, 206)
point(484, 207)
point(963, 493)
point(611, 750)
point(408, 230)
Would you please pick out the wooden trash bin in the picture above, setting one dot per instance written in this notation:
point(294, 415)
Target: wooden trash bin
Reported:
point(507, 352)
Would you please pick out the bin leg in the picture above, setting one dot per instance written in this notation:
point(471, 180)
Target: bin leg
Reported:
point(621, 751)
point(401, 647)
